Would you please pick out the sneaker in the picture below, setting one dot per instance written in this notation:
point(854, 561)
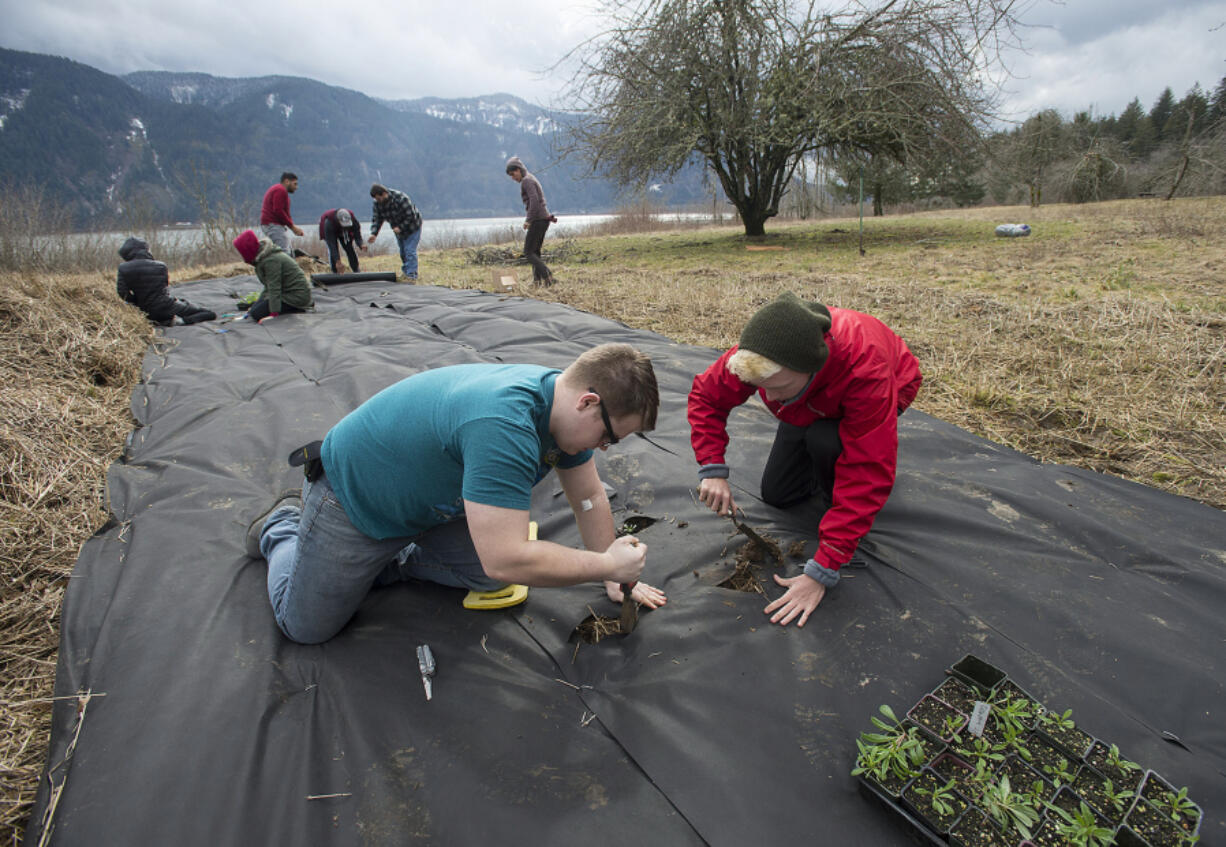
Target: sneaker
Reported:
point(289, 497)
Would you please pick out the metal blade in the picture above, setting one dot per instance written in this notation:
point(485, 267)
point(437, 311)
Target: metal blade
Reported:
point(630, 611)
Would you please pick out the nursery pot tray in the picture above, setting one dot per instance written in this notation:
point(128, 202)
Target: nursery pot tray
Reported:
point(916, 823)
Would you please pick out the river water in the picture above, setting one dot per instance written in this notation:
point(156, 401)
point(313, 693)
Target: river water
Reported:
point(443, 232)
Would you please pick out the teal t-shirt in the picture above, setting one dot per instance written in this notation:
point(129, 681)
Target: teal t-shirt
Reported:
point(406, 459)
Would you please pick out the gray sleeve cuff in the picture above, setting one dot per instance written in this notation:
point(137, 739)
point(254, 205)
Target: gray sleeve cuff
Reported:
point(713, 472)
point(824, 575)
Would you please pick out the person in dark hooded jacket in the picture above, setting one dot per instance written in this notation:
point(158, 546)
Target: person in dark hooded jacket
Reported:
point(144, 282)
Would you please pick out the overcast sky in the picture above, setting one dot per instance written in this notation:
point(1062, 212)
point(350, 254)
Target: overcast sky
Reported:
point(1082, 54)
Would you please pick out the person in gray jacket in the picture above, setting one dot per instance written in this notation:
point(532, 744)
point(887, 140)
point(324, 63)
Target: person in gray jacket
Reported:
point(536, 221)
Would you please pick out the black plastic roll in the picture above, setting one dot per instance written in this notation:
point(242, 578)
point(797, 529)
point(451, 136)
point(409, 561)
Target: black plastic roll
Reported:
point(372, 276)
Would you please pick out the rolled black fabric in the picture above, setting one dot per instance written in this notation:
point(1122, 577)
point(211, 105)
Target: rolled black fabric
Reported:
point(361, 276)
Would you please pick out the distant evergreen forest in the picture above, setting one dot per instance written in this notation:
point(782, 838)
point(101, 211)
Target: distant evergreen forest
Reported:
point(1176, 148)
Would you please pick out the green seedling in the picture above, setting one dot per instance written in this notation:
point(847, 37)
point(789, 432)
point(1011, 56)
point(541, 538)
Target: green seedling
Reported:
point(1117, 761)
point(1010, 809)
point(1061, 774)
point(1177, 805)
point(1119, 800)
point(1012, 717)
point(982, 750)
point(1055, 721)
point(941, 798)
point(1081, 829)
point(896, 750)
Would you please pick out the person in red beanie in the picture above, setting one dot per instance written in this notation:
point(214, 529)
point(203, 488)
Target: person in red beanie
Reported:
point(286, 288)
point(837, 380)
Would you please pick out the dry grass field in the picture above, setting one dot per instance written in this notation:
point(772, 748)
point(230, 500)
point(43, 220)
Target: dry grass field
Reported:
point(1099, 341)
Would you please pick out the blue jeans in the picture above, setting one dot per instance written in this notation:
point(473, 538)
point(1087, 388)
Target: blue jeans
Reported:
point(320, 567)
point(408, 251)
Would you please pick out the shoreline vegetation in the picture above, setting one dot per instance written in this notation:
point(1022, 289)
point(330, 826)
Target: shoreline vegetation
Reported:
point(1098, 342)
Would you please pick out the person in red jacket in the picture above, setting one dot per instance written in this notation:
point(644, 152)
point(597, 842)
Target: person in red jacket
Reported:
point(837, 380)
point(274, 213)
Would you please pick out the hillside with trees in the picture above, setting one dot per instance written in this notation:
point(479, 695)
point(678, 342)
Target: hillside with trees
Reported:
point(1176, 148)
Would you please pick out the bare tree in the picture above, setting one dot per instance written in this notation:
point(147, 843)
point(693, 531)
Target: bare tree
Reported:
point(751, 87)
point(1028, 154)
point(222, 215)
point(1203, 153)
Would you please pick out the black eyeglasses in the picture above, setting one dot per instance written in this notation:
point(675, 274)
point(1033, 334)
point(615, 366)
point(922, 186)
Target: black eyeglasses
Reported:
point(610, 438)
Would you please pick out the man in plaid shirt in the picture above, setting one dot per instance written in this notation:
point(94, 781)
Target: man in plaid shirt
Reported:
point(398, 210)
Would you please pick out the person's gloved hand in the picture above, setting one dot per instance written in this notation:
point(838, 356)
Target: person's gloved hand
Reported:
point(553, 219)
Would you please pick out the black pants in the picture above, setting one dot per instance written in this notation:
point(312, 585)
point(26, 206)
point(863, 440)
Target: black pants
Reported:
point(259, 309)
point(331, 233)
point(532, 251)
point(163, 311)
point(801, 463)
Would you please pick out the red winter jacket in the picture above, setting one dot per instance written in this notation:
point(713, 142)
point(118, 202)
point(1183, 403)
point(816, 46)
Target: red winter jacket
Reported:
point(276, 206)
point(868, 379)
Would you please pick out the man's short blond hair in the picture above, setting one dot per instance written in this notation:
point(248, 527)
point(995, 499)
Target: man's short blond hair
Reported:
point(623, 377)
point(752, 367)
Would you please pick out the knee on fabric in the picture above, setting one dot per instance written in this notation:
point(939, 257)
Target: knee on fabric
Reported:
point(308, 633)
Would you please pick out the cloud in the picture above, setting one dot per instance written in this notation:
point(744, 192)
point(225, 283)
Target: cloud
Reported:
point(1131, 54)
point(1083, 53)
point(446, 49)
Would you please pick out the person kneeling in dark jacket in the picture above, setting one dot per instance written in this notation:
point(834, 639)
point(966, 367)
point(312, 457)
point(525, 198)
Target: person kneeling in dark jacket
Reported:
point(144, 282)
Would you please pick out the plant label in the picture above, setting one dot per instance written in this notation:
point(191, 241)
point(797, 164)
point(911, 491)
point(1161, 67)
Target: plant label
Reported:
point(979, 718)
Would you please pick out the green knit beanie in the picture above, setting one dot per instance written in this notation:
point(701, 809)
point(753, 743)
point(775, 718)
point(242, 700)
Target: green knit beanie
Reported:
point(789, 331)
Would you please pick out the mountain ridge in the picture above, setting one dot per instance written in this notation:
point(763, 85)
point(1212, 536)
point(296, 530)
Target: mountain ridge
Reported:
point(174, 146)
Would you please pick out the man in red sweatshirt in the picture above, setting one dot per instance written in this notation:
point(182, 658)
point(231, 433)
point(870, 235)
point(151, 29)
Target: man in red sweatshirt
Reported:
point(274, 214)
point(837, 380)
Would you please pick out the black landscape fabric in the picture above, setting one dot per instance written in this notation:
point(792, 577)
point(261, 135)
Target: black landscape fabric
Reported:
point(707, 725)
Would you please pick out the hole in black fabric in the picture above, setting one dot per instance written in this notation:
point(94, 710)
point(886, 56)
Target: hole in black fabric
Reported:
point(749, 559)
point(595, 627)
point(635, 524)
point(747, 577)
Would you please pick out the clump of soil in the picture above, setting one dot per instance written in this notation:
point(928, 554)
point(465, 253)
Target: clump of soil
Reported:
point(796, 550)
point(763, 545)
point(595, 627)
point(747, 575)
